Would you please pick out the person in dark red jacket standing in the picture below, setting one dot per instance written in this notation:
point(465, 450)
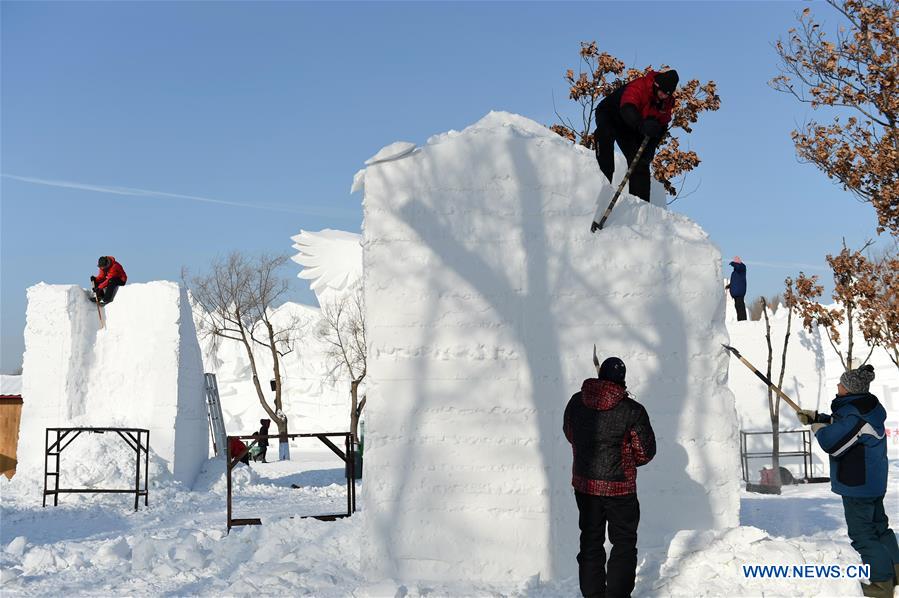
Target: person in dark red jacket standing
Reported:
point(108, 280)
point(610, 437)
point(642, 108)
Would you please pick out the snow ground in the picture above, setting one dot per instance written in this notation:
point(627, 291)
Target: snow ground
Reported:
point(96, 545)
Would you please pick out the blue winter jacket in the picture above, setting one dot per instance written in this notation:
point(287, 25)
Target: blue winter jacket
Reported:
point(856, 442)
point(738, 280)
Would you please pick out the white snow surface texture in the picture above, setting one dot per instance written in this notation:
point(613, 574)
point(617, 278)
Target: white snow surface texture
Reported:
point(143, 370)
point(485, 292)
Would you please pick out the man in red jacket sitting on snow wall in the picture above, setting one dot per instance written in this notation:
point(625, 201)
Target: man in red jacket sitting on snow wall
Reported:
point(642, 108)
point(108, 280)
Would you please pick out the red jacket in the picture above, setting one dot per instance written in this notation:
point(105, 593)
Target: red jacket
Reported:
point(237, 447)
point(113, 271)
point(640, 93)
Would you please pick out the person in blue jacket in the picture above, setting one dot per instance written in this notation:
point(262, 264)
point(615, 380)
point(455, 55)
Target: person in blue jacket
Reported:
point(854, 437)
point(737, 287)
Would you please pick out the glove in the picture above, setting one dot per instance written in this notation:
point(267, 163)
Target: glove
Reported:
point(93, 279)
point(807, 416)
point(817, 426)
point(594, 227)
point(652, 128)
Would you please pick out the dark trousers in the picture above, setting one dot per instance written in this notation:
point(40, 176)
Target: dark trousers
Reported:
point(609, 130)
point(872, 538)
point(106, 295)
point(622, 514)
point(741, 308)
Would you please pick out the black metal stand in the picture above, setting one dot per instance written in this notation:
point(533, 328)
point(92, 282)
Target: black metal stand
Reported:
point(133, 437)
point(805, 452)
point(348, 456)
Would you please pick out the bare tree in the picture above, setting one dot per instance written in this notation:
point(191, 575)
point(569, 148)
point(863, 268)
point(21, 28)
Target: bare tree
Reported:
point(238, 299)
point(343, 332)
point(789, 301)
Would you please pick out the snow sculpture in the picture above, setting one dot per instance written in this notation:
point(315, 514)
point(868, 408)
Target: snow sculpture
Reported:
point(485, 292)
point(143, 370)
point(331, 259)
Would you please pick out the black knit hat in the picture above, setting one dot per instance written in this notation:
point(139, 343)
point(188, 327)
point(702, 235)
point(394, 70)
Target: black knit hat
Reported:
point(613, 370)
point(103, 261)
point(667, 81)
point(858, 381)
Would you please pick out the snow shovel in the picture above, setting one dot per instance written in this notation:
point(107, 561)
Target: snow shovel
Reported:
point(764, 379)
point(99, 312)
point(630, 170)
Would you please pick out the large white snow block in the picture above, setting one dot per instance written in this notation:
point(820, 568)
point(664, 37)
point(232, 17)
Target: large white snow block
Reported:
point(143, 370)
point(485, 292)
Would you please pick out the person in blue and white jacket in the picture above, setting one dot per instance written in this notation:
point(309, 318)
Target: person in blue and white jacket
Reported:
point(854, 437)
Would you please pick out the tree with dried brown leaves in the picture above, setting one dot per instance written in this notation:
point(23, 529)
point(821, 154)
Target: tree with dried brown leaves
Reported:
point(238, 298)
point(853, 276)
point(343, 332)
point(879, 311)
point(856, 74)
point(600, 75)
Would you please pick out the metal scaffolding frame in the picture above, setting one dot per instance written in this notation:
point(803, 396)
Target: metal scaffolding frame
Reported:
point(805, 452)
point(348, 456)
point(133, 437)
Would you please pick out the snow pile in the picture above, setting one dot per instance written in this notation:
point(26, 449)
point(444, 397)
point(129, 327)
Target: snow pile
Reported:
point(710, 563)
point(143, 370)
point(485, 292)
point(10, 385)
point(213, 477)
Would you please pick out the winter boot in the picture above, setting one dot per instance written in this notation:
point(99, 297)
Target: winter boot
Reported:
point(879, 589)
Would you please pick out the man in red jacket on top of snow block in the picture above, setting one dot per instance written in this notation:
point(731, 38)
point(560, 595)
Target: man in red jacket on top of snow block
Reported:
point(642, 108)
point(108, 280)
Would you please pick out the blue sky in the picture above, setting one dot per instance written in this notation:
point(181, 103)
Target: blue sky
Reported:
point(274, 106)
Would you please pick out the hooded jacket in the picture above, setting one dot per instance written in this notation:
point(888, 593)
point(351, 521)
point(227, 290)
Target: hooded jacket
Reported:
point(610, 437)
point(738, 280)
point(113, 271)
point(856, 442)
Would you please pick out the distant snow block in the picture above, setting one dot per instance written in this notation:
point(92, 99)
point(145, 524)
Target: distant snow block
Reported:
point(143, 370)
point(10, 385)
point(331, 259)
point(394, 151)
point(485, 292)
